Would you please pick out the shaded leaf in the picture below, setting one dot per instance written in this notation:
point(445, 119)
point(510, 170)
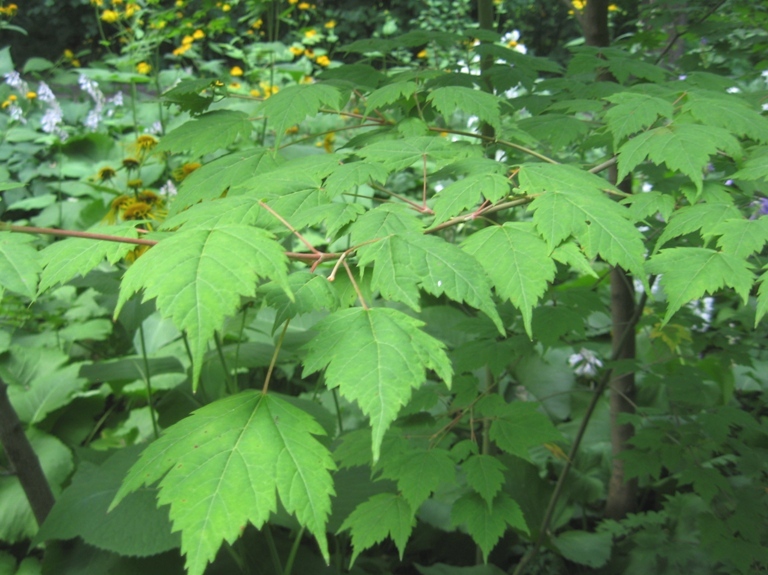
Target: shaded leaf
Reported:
point(468, 192)
point(486, 524)
point(19, 267)
point(293, 104)
point(207, 133)
point(473, 102)
point(419, 472)
point(634, 112)
point(485, 474)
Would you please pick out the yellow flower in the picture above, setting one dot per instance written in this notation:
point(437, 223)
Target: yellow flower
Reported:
point(323, 61)
point(105, 174)
point(131, 164)
point(110, 16)
point(255, 93)
point(236, 71)
point(422, 54)
point(179, 3)
point(75, 63)
point(181, 49)
point(311, 33)
point(144, 143)
point(613, 8)
point(183, 171)
point(331, 24)
point(296, 51)
point(309, 53)
point(12, 98)
point(198, 34)
point(234, 85)
point(5, 104)
point(131, 9)
point(187, 40)
point(143, 68)
point(135, 184)
point(292, 130)
point(68, 54)
point(304, 6)
point(137, 211)
point(226, 8)
point(31, 95)
point(98, 3)
point(258, 24)
point(328, 141)
point(579, 4)
point(292, 1)
point(9, 10)
point(117, 2)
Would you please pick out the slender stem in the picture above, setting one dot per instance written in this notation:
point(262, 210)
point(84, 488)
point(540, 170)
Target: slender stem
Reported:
point(334, 394)
point(294, 551)
point(293, 230)
point(498, 141)
point(148, 382)
point(598, 394)
point(357, 287)
point(231, 383)
point(606, 164)
point(424, 182)
point(276, 563)
point(74, 234)
point(273, 361)
point(414, 205)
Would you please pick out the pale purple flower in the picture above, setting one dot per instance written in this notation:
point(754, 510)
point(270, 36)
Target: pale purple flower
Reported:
point(44, 93)
point(13, 79)
point(728, 182)
point(585, 363)
point(17, 113)
point(169, 189)
point(51, 119)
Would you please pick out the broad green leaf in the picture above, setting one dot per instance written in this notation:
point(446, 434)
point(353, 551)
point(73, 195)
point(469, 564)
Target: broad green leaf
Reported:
point(517, 426)
point(473, 102)
point(486, 524)
point(557, 130)
point(353, 174)
point(238, 210)
point(740, 237)
point(485, 474)
point(310, 293)
point(404, 262)
point(293, 104)
point(727, 111)
point(517, 262)
point(19, 267)
point(207, 133)
point(389, 94)
point(649, 204)
point(762, 298)
point(572, 204)
point(756, 165)
point(690, 273)
point(705, 217)
point(198, 277)
point(18, 523)
point(390, 219)
point(136, 528)
point(403, 153)
point(419, 472)
point(221, 468)
point(383, 515)
point(65, 259)
point(211, 180)
point(584, 548)
point(468, 192)
point(46, 393)
point(570, 254)
point(376, 357)
point(681, 147)
point(634, 112)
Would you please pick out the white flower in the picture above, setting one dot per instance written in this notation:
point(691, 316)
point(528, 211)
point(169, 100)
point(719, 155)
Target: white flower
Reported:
point(13, 79)
point(169, 189)
point(585, 363)
point(45, 94)
point(51, 119)
point(17, 113)
point(733, 90)
point(512, 40)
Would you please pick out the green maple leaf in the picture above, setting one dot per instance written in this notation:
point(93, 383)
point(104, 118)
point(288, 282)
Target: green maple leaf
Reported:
point(755, 166)
point(389, 219)
point(419, 472)
point(383, 515)
point(485, 474)
point(517, 262)
point(198, 277)
point(573, 204)
point(376, 357)
point(740, 237)
point(238, 210)
point(486, 524)
point(310, 293)
point(517, 426)
point(558, 130)
point(389, 94)
point(221, 468)
point(473, 102)
point(207, 133)
point(690, 273)
point(649, 204)
point(19, 267)
point(727, 111)
point(211, 180)
point(467, 193)
point(705, 217)
point(634, 112)
point(762, 297)
point(403, 153)
point(293, 104)
point(404, 262)
point(353, 174)
point(71, 257)
point(684, 148)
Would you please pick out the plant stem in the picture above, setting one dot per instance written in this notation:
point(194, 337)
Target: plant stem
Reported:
point(277, 564)
point(273, 361)
point(148, 382)
point(231, 383)
point(23, 459)
point(294, 550)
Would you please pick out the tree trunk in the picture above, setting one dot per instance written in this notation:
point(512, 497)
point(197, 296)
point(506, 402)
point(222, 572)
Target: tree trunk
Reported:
point(23, 459)
point(622, 494)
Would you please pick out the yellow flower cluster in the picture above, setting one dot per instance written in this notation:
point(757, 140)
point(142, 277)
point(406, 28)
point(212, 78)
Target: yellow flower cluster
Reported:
point(187, 41)
point(112, 15)
point(266, 90)
point(69, 56)
point(8, 101)
point(9, 10)
point(143, 68)
point(581, 4)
